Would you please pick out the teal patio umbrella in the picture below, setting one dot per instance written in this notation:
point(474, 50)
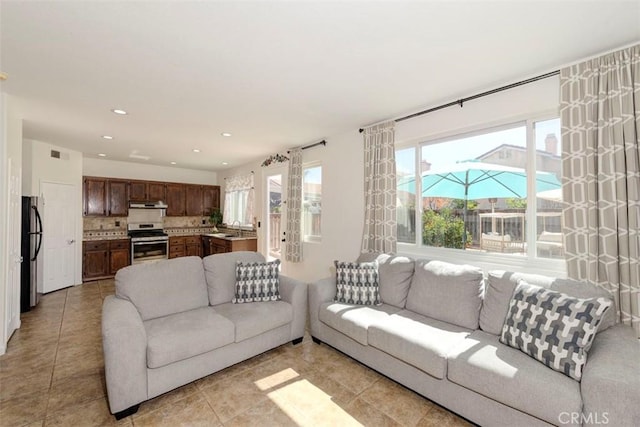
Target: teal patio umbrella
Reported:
point(472, 180)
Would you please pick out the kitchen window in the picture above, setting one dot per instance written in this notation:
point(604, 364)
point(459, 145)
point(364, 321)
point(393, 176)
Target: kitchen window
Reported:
point(495, 191)
point(238, 201)
point(311, 202)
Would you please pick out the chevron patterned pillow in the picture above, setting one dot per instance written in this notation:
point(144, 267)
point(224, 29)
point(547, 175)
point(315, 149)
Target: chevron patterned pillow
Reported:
point(553, 328)
point(257, 281)
point(357, 283)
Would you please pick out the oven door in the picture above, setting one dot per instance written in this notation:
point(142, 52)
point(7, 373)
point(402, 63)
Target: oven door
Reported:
point(146, 251)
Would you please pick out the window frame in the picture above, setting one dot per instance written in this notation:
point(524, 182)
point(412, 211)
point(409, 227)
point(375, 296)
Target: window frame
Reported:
point(486, 260)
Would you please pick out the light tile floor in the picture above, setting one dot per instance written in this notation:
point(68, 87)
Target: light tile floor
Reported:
point(53, 375)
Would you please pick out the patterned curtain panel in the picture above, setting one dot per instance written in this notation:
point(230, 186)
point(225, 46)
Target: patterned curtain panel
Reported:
point(379, 233)
point(293, 247)
point(599, 108)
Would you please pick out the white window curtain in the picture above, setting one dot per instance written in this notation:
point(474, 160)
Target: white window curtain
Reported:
point(600, 113)
point(293, 246)
point(380, 233)
point(239, 197)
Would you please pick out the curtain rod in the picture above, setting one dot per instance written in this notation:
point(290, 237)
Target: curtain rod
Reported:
point(323, 142)
point(460, 102)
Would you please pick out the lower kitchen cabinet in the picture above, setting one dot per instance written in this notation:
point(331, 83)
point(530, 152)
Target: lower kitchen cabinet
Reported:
point(215, 245)
point(101, 259)
point(180, 246)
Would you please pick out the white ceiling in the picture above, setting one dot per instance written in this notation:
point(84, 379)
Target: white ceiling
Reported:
point(274, 74)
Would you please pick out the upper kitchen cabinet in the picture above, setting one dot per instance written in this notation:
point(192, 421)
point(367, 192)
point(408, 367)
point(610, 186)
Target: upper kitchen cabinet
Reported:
point(105, 197)
point(194, 200)
point(118, 197)
point(95, 196)
point(210, 199)
point(176, 200)
point(147, 191)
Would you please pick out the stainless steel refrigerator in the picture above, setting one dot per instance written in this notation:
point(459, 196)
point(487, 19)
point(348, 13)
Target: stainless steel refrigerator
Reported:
point(31, 268)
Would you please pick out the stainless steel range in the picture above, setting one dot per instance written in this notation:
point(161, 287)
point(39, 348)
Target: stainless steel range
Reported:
point(149, 242)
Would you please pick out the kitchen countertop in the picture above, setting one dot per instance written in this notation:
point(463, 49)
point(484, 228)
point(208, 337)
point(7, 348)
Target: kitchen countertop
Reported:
point(90, 236)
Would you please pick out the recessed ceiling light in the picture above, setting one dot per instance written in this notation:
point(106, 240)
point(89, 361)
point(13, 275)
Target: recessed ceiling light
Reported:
point(102, 155)
point(225, 134)
point(224, 163)
point(195, 150)
point(173, 163)
point(107, 137)
point(121, 112)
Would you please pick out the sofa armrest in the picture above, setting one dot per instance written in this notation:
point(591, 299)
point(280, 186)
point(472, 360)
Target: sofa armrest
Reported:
point(295, 293)
point(124, 342)
point(320, 292)
point(610, 383)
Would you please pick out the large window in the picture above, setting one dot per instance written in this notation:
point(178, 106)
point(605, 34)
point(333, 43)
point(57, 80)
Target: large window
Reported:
point(311, 202)
point(493, 191)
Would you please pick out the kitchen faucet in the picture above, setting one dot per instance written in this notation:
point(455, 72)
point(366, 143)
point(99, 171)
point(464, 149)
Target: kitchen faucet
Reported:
point(239, 229)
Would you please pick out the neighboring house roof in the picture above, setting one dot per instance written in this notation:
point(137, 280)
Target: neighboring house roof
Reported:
point(515, 148)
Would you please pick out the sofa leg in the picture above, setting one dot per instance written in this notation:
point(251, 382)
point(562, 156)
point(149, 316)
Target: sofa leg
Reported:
point(296, 341)
point(316, 340)
point(129, 411)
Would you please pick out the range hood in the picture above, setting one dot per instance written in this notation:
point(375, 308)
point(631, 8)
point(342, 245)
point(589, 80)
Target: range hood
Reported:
point(148, 205)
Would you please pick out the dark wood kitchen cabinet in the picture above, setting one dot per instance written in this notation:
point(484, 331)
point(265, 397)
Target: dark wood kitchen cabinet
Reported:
point(176, 200)
point(147, 191)
point(193, 195)
point(180, 246)
point(119, 255)
point(214, 245)
point(118, 197)
point(210, 199)
point(105, 197)
point(95, 196)
point(95, 260)
point(101, 259)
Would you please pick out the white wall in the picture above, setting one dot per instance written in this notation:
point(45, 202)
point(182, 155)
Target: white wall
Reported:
point(117, 169)
point(39, 167)
point(342, 162)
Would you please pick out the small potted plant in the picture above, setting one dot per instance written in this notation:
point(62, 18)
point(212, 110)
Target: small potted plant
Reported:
point(215, 218)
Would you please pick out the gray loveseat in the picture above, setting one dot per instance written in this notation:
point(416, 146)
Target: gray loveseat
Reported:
point(437, 333)
point(172, 322)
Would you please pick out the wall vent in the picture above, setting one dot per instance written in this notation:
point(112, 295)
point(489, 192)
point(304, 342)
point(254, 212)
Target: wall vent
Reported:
point(55, 154)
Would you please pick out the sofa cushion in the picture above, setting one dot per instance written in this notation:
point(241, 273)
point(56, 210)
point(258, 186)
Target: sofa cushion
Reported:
point(500, 286)
point(257, 281)
point(417, 340)
point(256, 318)
point(482, 364)
point(552, 327)
point(162, 288)
point(220, 273)
point(183, 335)
point(394, 276)
point(448, 292)
point(357, 283)
point(354, 320)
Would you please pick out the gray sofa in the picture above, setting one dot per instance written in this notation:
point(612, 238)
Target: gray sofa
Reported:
point(172, 322)
point(439, 336)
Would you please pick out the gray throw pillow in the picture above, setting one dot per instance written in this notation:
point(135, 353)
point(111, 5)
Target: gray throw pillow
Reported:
point(357, 283)
point(257, 281)
point(553, 327)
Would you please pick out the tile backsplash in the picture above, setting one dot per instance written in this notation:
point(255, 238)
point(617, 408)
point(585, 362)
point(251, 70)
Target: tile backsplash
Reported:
point(120, 223)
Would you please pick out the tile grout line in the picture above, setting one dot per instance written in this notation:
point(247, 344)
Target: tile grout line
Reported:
point(55, 358)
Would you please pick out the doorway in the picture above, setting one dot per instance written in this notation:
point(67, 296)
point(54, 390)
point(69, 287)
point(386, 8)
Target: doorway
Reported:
point(58, 237)
point(275, 187)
